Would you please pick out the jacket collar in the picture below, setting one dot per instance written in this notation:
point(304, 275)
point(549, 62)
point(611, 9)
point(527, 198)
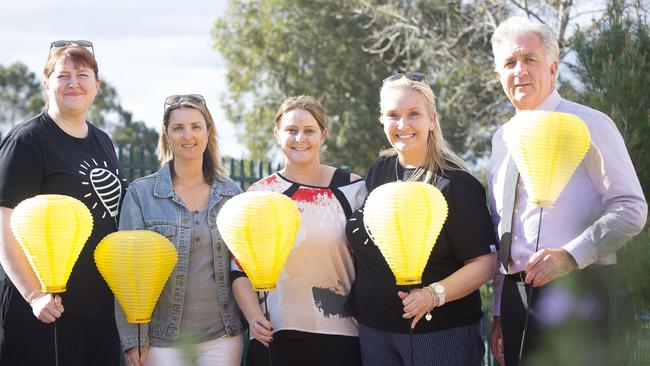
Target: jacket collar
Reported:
point(165, 189)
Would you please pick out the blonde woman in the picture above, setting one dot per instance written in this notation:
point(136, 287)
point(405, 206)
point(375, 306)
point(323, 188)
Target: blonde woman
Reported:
point(444, 313)
point(196, 320)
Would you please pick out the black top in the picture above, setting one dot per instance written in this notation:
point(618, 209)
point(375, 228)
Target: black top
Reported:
point(466, 234)
point(38, 157)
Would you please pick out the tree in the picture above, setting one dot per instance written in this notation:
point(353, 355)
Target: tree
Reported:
point(20, 94)
point(339, 51)
point(449, 40)
point(613, 67)
point(134, 132)
point(281, 48)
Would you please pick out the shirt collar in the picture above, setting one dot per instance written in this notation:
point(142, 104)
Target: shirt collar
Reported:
point(551, 102)
point(164, 187)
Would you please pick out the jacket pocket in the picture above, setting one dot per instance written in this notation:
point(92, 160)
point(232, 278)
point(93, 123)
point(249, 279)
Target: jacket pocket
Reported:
point(167, 230)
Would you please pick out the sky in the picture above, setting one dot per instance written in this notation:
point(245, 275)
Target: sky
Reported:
point(146, 49)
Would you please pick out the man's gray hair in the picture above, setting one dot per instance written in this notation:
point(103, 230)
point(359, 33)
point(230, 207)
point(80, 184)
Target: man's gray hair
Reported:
point(517, 26)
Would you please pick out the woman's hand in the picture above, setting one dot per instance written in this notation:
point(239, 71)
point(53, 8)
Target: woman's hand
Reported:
point(133, 359)
point(417, 303)
point(261, 329)
point(46, 307)
point(496, 341)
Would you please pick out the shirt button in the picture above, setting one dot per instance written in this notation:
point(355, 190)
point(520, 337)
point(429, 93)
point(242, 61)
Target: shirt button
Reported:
point(196, 212)
point(196, 239)
point(196, 223)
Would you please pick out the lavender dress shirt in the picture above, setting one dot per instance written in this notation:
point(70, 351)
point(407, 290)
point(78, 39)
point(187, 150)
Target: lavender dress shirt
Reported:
point(599, 210)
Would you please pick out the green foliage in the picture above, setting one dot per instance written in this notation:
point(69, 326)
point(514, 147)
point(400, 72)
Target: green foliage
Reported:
point(106, 108)
point(340, 51)
point(280, 48)
point(449, 40)
point(614, 67)
point(20, 94)
point(136, 133)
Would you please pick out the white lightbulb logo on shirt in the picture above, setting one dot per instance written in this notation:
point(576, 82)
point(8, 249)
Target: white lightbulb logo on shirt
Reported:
point(107, 187)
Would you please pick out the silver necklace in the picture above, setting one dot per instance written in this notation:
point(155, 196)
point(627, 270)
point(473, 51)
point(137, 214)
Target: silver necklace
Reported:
point(427, 177)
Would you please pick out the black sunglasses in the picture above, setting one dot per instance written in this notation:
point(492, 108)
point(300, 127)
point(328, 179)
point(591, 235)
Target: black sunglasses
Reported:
point(80, 43)
point(180, 98)
point(411, 75)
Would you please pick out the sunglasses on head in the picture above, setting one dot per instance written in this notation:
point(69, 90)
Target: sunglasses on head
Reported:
point(80, 43)
point(411, 75)
point(179, 98)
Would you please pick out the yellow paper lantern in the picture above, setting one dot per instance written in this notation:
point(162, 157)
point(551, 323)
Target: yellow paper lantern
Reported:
point(547, 148)
point(136, 265)
point(52, 230)
point(259, 228)
point(404, 220)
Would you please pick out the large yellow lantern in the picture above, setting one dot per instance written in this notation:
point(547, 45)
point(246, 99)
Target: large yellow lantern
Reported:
point(404, 220)
point(547, 148)
point(136, 265)
point(259, 228)
point(52, 230)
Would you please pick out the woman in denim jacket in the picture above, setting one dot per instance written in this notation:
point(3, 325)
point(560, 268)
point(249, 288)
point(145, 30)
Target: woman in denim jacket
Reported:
point(196, 320)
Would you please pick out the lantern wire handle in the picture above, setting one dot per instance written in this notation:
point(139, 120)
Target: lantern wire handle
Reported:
point(529, 298)
point(139, 351)
point(268, 317)
point(409, 288)
point(56, 347)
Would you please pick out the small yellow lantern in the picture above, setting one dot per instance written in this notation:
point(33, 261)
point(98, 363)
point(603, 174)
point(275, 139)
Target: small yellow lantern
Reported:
point(404, 220)
point(136, 265)
point(547, 148)
point(52, 230)
point(259, 228)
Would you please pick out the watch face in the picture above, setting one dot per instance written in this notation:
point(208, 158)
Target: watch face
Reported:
point(438, 288)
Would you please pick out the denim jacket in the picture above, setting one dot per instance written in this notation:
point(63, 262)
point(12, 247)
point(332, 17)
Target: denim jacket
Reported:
point(151, 203)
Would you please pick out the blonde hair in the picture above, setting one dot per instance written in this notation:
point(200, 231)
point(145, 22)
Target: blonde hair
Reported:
point(439, 155)
point(212, 167)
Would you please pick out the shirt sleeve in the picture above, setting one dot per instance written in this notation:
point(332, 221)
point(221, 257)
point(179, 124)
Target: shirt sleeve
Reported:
point(236, 269)
point(131, 217)
point(624, 206)
point(21, 171)
point(469, 224)
point(497, 290)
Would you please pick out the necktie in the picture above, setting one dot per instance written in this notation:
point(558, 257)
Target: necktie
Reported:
point(509, 199)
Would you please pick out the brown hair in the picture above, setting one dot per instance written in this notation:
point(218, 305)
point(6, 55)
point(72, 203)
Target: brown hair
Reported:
point(79, 56)
point(305, 102)
point(212, 167)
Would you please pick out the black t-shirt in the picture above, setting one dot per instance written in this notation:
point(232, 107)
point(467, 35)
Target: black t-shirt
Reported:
point(38, 157)
point(466, 234)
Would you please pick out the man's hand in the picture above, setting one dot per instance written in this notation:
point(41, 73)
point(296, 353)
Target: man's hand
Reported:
point(496, 341)
point(547, 265)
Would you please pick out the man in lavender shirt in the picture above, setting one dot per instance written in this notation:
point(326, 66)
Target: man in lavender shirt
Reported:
point(600, 209)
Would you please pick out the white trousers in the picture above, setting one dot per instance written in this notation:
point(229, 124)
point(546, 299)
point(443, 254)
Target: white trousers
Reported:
point(221, 351)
